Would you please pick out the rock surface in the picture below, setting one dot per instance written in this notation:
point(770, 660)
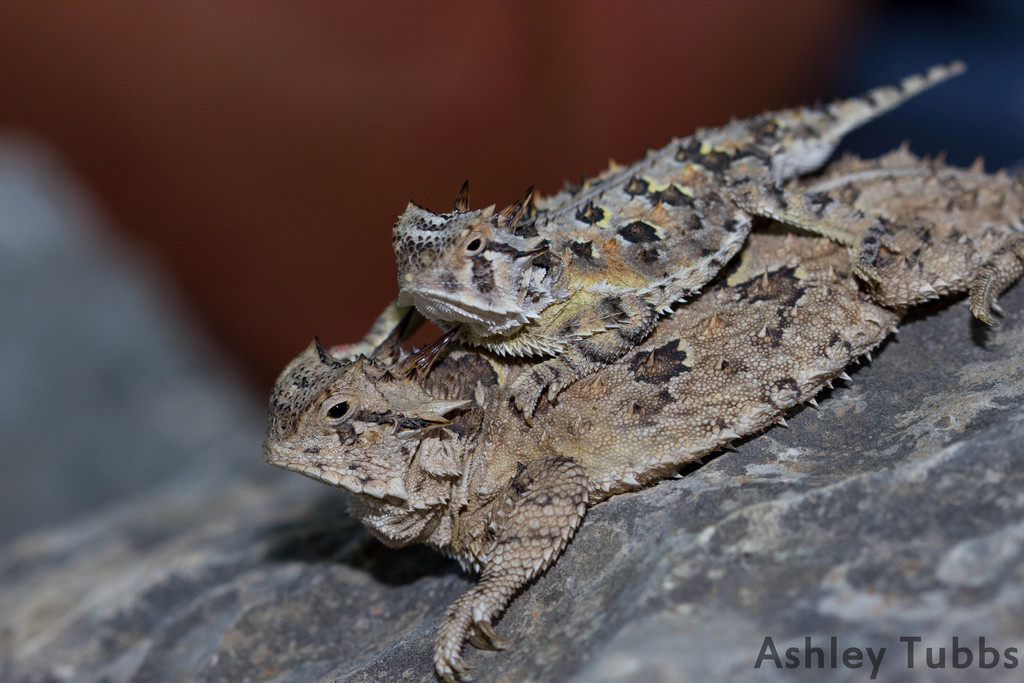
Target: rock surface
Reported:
point(897, 509)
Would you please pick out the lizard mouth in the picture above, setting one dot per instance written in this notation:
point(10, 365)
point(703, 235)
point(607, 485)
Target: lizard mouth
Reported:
point(497, 317)
point(274, 454)
point(283, 457)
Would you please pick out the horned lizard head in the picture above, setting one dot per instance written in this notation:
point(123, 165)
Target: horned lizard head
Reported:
point(470, 266)
point(362, 426)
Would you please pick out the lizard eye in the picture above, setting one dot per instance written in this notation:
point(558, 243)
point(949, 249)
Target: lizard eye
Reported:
point(475, 246)
point(338, 410)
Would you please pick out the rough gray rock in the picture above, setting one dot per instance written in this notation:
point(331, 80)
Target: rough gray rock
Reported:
point(897, 509)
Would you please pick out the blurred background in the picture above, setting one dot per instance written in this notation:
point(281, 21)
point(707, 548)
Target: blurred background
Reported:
point(190, 190)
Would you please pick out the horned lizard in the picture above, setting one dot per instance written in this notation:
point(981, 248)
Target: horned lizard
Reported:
point(439, 455)
point(583, 276)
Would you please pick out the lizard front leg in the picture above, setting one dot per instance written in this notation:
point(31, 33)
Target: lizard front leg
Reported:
point(632, 320)
point(530, 526)
point(821, 214)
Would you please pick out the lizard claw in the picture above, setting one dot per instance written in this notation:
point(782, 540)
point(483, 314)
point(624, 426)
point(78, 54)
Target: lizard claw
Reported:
point(479, 642)
point(984, 317)
point(451, 668)
point(483, 637)
point(453, 671)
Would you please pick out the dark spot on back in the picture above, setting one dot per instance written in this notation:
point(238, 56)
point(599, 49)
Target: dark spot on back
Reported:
point(635, 186)
point(638, 231)
point(782, 385)
point(590, 214)
point(672, 196)
point(660, 365)
point(715, 161)
point(753, 291)
point(583, 250)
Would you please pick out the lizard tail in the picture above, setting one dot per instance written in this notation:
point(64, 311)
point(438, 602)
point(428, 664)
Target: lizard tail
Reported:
point(801, 152)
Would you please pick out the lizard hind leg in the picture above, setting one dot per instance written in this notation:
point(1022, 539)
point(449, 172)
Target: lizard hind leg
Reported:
point(993, 277)
point(630, 319)
point(821, 214)
point(532, 523)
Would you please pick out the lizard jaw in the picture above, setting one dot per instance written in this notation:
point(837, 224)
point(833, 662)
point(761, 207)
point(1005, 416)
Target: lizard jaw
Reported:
point(485, 321)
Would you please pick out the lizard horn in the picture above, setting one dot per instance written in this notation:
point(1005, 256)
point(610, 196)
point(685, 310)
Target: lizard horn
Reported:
point(461, 202)
point(509, 216)
point(418, 364)
point(325, 358)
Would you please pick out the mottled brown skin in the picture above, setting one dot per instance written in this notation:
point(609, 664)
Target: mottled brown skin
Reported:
point(443, 458)
point(975, 218)
point(588, 272)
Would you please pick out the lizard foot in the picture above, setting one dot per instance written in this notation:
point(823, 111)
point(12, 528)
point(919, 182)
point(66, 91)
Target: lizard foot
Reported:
point(458, 628)
point(528, 388)
point(864, 269)
point(982, 295)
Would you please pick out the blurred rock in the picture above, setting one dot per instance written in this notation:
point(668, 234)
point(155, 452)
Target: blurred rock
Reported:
point(897, 509)
point(106, 390)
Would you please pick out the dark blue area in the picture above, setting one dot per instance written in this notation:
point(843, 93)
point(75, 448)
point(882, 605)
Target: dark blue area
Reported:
point(980, 112)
